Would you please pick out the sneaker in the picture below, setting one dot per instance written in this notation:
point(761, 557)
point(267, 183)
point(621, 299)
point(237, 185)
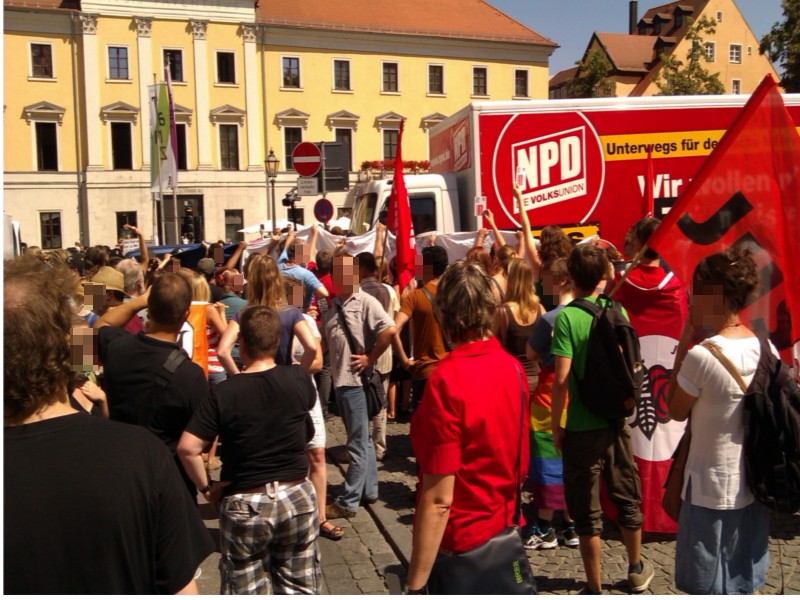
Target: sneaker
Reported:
point(542, 541)
point(639, 582)
point(568, 537)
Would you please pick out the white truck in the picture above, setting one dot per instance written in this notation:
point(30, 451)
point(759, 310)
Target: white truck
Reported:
point(583, 163)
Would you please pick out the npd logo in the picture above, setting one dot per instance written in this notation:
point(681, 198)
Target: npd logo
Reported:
point(562, 159)
point(554, 166)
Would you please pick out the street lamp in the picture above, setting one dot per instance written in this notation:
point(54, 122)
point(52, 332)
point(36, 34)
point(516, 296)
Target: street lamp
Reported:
point(271, 165)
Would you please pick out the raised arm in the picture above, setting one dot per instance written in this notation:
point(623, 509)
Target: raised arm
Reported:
point(380, 231)
point(312, 242)
point(480, 235)
point(234, 259)
point(117, 316)
point(531, 252)
point(143, 256)
point(487, 214)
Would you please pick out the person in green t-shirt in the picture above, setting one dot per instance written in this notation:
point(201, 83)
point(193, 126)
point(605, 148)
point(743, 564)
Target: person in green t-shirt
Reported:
point(590, 445)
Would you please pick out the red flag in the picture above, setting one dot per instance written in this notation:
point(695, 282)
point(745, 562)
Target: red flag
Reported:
point(649, 204)
point(747, 192)
point(398, 219)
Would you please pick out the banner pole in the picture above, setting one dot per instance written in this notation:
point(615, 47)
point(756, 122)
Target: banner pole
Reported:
point(634, 263)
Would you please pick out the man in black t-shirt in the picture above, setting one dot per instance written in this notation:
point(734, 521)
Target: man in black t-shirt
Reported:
point(268, 521)
point(147, 378)
point(91, 506)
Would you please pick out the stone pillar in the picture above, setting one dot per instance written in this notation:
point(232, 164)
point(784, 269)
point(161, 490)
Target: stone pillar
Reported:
point(201, 95)
point(254, 154)
point(145, 59)
point(91, 92)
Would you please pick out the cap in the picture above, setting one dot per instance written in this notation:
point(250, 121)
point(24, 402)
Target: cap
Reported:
point(111, 278)
point(74, 261)
point(206, 266)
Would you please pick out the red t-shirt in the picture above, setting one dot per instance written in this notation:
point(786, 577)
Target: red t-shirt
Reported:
point(468, 423)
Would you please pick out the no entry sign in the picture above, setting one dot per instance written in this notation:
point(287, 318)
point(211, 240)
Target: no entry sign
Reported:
point(306, 159)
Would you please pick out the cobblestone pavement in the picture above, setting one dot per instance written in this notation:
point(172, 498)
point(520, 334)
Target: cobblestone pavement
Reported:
point(372, 556)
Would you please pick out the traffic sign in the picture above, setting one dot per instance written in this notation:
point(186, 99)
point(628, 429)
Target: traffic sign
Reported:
point(323, 210)
point(307, 186)
point(306, 159)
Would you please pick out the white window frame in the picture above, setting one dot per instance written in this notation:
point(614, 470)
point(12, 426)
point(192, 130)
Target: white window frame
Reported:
point(238, 146)
point(443, 93)
point(527, 82)
point(299, 87)
point(110, 141)
point(108, 64)
point(712, 56)
point(719, 16)
point(31, 77)
point(288, 159)
point(472, 83)
point(184, 81)
point(383, 144)
point(736, 83)
point(334, 89)
point(34, 145)
point(397, 64)
point(217, 82)
point(730, 54)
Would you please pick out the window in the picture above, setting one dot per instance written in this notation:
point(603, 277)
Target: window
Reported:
point(435, 79)
point(174, 58)
point(341, 75)
point(678, 19)
point(121, 151)
point(291, 72)
point(229, 147)
point(291, 137)
point(479, 87)
point(50, 223)
point(46, 147)
point(749, 51)
point(42, 61)
point(226, 67)
point(719, 16)
point(657, 27)
point(710, 51)
point(389, 144)
point(345, 137)
point(521, 83)
point(125, 218)
point(117, 62)
point(735, 54)
point(182, 158)
point(234, 221)
point(736, 86)
point(390, 77)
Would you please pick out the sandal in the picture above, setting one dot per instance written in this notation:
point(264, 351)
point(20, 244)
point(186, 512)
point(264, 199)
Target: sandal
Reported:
point(335, 533)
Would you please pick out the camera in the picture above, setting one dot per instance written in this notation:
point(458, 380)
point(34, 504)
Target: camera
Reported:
point(290, 198)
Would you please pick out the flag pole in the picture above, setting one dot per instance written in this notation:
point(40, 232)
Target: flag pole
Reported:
point(161, 230)
point(633, 264)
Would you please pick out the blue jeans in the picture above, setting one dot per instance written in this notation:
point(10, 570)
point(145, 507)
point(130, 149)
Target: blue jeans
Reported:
point(361, 479)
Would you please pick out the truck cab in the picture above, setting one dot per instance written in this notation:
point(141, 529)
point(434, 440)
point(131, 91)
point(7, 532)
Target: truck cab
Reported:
point(432, 198)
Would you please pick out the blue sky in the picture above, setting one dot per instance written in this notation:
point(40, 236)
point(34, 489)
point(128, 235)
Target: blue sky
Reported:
point(570, 23)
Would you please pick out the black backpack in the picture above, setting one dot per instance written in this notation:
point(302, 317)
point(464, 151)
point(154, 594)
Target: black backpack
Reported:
point(772, 434)
point(612, 382)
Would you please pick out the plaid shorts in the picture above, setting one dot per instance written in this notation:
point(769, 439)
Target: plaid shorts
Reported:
point(268, 542)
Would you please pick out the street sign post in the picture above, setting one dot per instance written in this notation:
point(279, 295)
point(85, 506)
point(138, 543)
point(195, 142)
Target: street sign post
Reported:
point(306, 159)
point(307, 186)
point(323, 210)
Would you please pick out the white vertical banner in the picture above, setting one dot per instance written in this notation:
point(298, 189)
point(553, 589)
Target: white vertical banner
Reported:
point(163, 163)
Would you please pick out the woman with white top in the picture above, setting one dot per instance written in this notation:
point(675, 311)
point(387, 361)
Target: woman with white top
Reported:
point(723, 533)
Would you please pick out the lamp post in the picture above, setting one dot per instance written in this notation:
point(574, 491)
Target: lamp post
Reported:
point(271, 166)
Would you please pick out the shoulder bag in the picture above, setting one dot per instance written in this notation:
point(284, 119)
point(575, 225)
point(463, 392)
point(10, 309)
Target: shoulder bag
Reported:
point(499, 566)
point(373, 387)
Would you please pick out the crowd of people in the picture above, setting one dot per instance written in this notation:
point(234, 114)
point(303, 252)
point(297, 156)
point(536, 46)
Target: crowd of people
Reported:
point(233, 370)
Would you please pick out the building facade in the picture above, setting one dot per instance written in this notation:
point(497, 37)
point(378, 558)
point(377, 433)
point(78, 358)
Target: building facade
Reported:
point(246, 78)
point(635, 57)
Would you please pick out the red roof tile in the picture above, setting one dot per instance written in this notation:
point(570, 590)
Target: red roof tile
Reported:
point(473, 19)
point(666, 11)
point(627, 52)
point(562, 77)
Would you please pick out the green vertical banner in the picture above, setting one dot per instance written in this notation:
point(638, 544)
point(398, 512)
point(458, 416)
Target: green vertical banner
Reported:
point(163, 166)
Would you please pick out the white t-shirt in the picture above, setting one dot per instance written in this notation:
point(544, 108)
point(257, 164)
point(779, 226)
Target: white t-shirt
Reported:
point(715, 464)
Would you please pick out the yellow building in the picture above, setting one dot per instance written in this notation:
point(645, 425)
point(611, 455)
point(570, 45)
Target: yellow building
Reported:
point(247, 77)
point(635, 57)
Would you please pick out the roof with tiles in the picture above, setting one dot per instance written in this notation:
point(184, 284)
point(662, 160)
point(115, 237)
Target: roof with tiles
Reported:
point(666, 12)
point(627, 52)
point(470, 19)
point(45, 4)
point(562, 77)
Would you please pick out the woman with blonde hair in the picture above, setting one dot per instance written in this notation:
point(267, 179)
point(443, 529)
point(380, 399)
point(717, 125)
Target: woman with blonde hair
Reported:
point(265, 287)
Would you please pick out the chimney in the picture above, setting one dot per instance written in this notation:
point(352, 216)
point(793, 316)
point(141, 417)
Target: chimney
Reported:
point(633, 17)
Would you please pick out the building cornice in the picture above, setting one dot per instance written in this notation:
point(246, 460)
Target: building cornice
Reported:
point(218, 11)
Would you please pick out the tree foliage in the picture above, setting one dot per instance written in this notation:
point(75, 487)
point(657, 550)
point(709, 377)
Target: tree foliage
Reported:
point(691, 78)
point(591, 79)
point(782, 45)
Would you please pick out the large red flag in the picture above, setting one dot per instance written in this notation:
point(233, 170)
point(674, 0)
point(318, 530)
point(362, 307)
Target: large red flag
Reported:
point(398, 219)
point(747, 192)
